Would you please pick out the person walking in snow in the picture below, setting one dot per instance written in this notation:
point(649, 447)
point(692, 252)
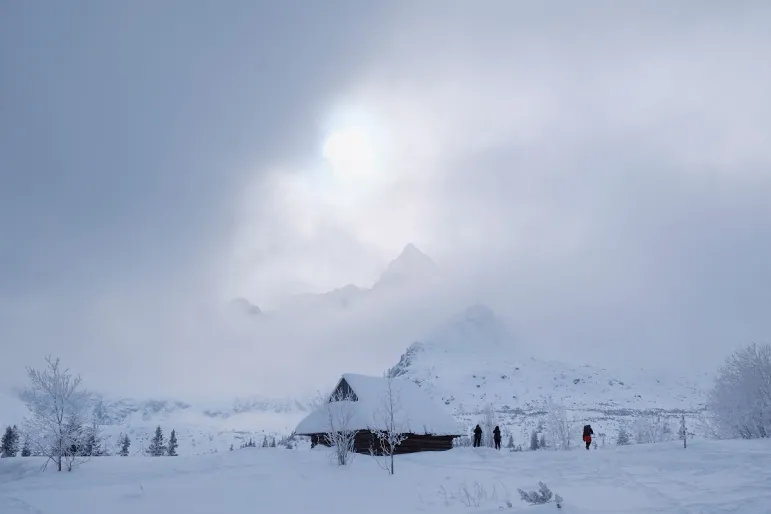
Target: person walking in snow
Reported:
point(497, 437)
point(588, 433)
point(477, 436)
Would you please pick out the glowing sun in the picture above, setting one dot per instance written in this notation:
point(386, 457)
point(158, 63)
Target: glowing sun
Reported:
point(350, 153)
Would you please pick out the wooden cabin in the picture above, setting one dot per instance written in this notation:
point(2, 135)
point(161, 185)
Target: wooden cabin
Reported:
point(360, 403)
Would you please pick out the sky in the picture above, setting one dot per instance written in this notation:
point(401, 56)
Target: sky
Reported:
point(599, 175)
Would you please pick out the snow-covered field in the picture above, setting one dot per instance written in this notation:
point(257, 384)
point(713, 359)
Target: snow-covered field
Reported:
point(708, 477)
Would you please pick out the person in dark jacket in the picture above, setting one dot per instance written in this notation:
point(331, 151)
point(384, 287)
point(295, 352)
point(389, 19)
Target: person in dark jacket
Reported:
point(497, 437)
point(477, 436)
point(588, 433)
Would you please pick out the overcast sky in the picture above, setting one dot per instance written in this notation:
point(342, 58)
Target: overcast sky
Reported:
point(599, 175)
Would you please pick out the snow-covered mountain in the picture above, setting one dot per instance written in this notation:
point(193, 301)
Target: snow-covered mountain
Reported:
point(472, 360)
point(411, 269)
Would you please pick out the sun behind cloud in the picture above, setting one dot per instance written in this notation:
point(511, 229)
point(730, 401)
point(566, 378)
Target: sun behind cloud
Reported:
point(351, 154)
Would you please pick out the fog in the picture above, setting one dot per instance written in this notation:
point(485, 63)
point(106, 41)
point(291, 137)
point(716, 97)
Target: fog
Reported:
point(600, 177)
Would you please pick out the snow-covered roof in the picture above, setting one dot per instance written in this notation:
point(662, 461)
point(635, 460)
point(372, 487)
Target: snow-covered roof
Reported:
point(414, 411)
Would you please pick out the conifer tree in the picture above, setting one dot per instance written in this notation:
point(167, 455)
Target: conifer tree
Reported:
point(172, 450)
point(157, 448)
point(623, 437)
point(25, 449)
point(9, 444)
point(542, 442)
point(510, 444)
point(125, 443)
point(534, 440)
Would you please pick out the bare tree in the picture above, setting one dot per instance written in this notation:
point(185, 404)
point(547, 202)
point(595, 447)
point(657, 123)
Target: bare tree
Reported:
point(559, 426)
point(340, 436)
point(740, 401)
point(57, 407)
point(387, 430)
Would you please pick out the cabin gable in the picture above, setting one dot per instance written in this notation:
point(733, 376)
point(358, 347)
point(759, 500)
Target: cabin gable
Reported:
point(343, 391)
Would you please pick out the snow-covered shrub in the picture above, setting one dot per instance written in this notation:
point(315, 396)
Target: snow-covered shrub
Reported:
point(463, 441)
point(652, 429)
point(543, 495)
point(740, 401)
point(476, 495)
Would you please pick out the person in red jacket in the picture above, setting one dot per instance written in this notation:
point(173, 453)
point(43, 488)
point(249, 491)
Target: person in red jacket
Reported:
point(588, 433)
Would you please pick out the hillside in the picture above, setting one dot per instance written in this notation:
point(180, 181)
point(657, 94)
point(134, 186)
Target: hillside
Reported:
point(472, 360)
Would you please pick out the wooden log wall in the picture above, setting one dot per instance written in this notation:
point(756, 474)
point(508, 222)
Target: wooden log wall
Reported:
point(365, 440)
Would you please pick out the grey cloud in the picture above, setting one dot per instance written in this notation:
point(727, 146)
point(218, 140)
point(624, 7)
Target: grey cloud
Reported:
point(598, 174)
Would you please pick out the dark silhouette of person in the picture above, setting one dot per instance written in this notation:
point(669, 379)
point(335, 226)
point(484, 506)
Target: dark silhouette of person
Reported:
point(477, 436)
point(497, 437)
point(588, 433)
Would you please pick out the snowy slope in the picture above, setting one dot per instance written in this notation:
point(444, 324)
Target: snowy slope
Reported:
point(472, 360)
point(709, 477)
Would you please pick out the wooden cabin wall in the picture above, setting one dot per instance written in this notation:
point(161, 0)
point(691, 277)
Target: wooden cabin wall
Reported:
point(364, 440)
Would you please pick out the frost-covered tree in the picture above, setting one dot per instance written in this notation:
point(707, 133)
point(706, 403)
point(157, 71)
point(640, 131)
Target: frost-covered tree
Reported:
point(9, 444)
point(534, 440)
point(542, 441)
point(559, 426)
point(171, 451)
point(157, 447)
point(57, 405)
point(488, 425)
point(339, 435)
point(387, 429)
point(740, 401)
point(510, 444)
point(623, 437)
point(125, 444)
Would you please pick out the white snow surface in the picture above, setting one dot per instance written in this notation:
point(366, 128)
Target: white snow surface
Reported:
point(414, 412)
point(708, 477)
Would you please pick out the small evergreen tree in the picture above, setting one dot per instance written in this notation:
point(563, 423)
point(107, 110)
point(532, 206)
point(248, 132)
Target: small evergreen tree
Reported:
point(92, 444)
point(9, 444)
point(265, 442)
point(534, 440)
point(510, 444)
point(542, 441)
point(172, 450)
point(157, 448)
point(125, 443)
point(25, 450)
point(272, 442)
point(623, 437)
